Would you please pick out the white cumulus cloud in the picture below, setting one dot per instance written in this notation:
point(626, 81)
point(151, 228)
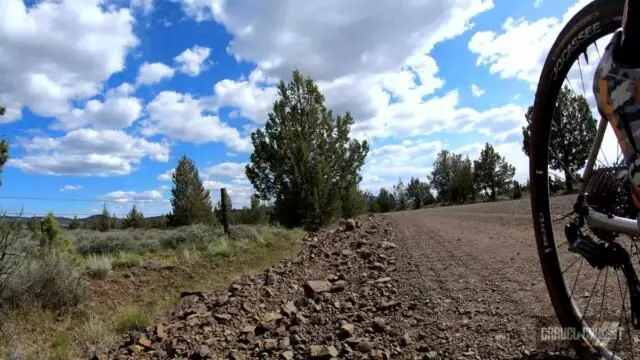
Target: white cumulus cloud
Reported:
point(183, 117)
point(55, 52)
point(153, 73)
point(87, 152)
point(191, 61)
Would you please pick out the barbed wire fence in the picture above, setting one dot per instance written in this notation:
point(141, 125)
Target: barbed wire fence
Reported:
point(122, 204)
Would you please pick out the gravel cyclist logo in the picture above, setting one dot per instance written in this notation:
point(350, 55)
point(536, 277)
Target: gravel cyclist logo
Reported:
point(607, 330)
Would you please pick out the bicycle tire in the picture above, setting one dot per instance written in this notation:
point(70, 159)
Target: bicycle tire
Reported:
point(596, 20)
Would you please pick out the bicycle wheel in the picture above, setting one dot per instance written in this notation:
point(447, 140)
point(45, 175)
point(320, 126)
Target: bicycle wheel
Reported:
point(594, 22)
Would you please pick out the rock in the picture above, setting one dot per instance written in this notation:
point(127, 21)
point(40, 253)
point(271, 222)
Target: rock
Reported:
point(347, 252)
point(284, 344)
point(160, 332)
point(431, 355)
point(249, 329)
point(271, 317)
point(270, 344)
point(299, 319)
point(338, 286)
point(136, 348)
point(287, 355)
point(388, 245)
point(349, 225)
point(388, 304)
point(315, 287)
point(364, 346)
point(246, 307)
point(289, 309)
point(346, 331)
point(295, 339)
point(322, 352)
point(379, 324)
point(383, 280)
point(144, 341)
point(204, 351)
point(406, 340)
point(222, 299)
point(151, 264)
point(222, 318)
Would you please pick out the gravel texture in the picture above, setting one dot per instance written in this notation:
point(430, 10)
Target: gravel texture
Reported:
point(448, 283)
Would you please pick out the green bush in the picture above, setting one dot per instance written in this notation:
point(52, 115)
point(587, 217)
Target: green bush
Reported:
point(139, 241)
point(219, 247)
point(98, 266)
point(49, 281)
point(133, 318)
point(52, 238)
point(125, 260)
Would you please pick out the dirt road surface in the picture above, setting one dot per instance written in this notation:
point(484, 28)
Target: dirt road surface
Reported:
point(460, 282)
point(478, 268)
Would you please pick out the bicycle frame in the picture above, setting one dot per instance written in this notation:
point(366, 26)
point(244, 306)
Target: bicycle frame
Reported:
point(596, 219)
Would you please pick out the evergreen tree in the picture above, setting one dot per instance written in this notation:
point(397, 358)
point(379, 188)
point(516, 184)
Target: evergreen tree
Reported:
point(33, 225)
point(52, 238)
point(74, 224)
point(190, 202)
point(371, 202)
point(517, 193)
point(386, 201)
point(400, 194)
point(304, 159)
point(492, 171)
point(134, 219)
point(417, 192)
point(104, 223)
point(573, 131)
point(257, 212)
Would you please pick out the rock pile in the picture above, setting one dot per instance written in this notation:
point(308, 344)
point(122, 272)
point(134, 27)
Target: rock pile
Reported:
point(337, 299)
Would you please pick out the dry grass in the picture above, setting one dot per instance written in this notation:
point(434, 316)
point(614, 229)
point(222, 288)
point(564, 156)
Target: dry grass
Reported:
point(118, 304)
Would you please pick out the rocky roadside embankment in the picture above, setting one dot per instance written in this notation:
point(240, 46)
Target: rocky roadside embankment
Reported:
point(337, 299)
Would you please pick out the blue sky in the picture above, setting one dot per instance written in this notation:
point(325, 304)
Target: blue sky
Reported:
point(104, 96)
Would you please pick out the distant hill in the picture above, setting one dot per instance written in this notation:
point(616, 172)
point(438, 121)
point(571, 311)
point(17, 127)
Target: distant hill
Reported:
point(65, 220)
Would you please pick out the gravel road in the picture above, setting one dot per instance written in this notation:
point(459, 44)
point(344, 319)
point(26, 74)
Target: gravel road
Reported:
point(461, 282)
point(478, 267)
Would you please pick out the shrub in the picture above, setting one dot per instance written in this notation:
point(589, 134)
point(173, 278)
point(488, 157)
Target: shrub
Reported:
point(188, 256)
point(52, 238)
point(133, 318)
point(98, 267)
point(244, 232)
point(126, 260)
point(219, 247)
point(49, 281)
point(517, 193)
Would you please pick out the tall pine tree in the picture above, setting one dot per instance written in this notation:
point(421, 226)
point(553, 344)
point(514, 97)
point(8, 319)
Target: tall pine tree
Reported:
point(572, 133)
point(190, 202)
point(134, 219)
point(304, 159)
point(492, 171)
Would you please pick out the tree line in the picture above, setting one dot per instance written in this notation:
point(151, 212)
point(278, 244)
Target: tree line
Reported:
point(454, 180)
point(305, 169)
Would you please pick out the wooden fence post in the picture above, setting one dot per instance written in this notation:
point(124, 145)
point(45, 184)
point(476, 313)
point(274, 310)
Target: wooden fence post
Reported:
point(225, 210)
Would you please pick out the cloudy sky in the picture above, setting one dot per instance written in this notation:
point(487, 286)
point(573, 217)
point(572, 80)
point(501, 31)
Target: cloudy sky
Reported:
point(104, 96)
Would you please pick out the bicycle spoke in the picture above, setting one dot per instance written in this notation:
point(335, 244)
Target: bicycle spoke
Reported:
point(577, 275)
point(604, 294)
point(584, 313)
point(573, 263)
point(624, 296)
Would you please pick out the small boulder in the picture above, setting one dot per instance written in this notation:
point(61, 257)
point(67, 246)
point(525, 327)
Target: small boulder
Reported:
point(349, 225)
point(315, 287)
